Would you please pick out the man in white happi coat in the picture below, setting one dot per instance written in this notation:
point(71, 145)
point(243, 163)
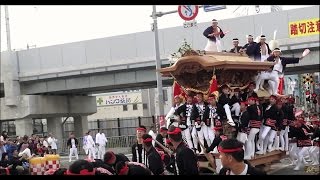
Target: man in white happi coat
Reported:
point(275, 71)
point(214, 34)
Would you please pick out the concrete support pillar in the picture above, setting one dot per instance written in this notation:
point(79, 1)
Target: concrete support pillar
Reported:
point(24, 127)
point(80, 125)
point(10, 78)
point(54, 127)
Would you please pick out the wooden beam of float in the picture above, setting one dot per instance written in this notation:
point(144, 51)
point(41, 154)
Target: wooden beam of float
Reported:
point(194, 71)
point(217, 60)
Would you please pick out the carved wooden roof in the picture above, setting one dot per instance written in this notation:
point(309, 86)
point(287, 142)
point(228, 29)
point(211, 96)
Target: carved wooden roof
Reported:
point(225, 61)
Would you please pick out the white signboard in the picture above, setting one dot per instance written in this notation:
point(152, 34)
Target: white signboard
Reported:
point(188, 24)
point(119, 99)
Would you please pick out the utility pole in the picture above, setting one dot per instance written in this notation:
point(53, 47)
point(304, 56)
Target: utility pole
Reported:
point(154, 16)
point(6, 11)
point(158, 62)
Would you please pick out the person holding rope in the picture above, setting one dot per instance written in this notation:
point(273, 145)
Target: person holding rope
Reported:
point(138, 153)
point(185, 158)
point(155, 163)
point(161, 137)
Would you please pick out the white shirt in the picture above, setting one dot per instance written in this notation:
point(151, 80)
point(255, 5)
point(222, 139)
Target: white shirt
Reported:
point(101, 139)
point(266, 55)
point(73, 143)
point(90, 142)
point(52, 142)
point(278, 66)
point(171, 112)
point(1, 138)
point(244, 172)
point(45, 143)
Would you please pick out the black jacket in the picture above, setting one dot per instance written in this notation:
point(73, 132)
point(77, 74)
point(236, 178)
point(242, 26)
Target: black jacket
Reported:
point(209, 30)
point(159, 138)
point(290, 112)
point(218, 115)
point(244, 122)
point(285, 110)
point(284, 61)
point(235, 99)
point(215, 143)
point(137, 170)
point(254, 112)
point(251, 170)
point(99, 163)
point(316, 134)
point(280, 120)
point(69, 142)
point(250, 48)
point(183, 112)
point(140, 149)
point(233, 50)
point(257, 51)
point(195, 112)
point(186, 160)
point(301, 134)
point(155, 163)
point(224, 99)
point(245, 95)
point(271, 113)
point(119, 157)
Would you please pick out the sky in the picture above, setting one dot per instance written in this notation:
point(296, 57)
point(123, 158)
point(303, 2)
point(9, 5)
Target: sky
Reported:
point(50, 25)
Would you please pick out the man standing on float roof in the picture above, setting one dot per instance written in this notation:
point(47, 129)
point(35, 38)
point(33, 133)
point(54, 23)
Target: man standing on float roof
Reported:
point(261, 50)
point(279, 67)
point(248, 48)
point(214, 34)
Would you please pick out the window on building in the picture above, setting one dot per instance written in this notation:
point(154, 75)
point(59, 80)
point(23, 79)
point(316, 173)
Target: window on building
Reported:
point(145, 106)
point(135, 106)
point(37, 126)
point(125, 107)
point(165, 95)
point(9, 127)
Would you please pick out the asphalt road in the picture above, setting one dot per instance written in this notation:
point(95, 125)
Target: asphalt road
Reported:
point(281, 168)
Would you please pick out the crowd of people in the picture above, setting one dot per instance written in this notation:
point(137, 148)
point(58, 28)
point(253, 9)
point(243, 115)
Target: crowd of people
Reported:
point(262, 125)
point(16, 152)
point(197, 126)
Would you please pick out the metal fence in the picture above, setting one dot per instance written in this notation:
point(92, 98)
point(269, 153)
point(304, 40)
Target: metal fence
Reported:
point(113, 142)
point(120, 132)
point(114, 127)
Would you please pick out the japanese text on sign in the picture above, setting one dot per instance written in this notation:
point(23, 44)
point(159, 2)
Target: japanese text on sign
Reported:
point(118, 99)
point(188, 24)
point(304, 28)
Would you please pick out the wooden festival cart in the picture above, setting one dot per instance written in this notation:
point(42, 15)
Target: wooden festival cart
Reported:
point(199, 71)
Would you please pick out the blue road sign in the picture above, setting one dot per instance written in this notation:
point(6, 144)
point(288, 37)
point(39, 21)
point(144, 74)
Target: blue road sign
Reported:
point(208, 8)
